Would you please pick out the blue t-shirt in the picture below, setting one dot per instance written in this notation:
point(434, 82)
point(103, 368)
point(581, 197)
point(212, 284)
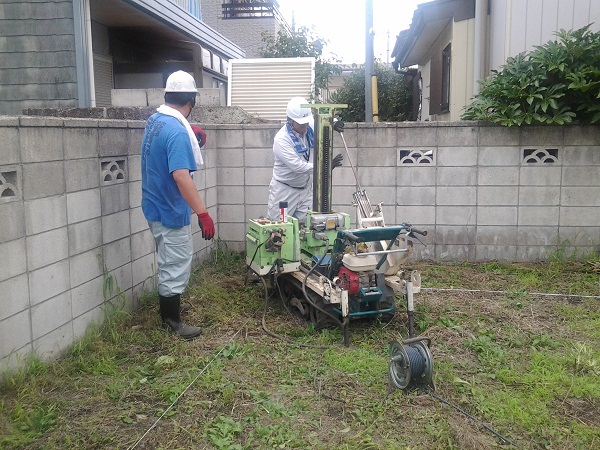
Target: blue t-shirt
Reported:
point(166, 147)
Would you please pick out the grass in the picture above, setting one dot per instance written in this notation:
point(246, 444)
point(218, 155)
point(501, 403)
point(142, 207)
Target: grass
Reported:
point(524, 364)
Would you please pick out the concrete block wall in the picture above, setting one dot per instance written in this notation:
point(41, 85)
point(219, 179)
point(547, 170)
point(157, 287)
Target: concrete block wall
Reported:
point(482, 192)
point(70, 215)
point(70, 223)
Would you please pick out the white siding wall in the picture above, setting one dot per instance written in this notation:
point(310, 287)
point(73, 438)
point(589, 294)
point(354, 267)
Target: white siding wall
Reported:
point(518, 25)
point(263, 87)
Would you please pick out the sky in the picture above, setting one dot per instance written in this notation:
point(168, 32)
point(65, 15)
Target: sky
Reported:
point(342, 23)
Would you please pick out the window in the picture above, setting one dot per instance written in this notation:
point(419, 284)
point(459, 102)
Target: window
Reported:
point(446, 58)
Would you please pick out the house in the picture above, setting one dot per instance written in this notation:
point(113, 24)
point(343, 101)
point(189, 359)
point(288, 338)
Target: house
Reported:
point(245, 21)
point(454, 43)
point(71, 53)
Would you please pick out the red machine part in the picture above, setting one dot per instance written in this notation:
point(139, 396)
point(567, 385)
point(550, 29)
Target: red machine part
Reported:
point(350, 281)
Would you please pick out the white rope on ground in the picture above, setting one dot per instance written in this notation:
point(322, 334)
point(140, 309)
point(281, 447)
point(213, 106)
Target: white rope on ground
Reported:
point(188, 386)
point(483, 291)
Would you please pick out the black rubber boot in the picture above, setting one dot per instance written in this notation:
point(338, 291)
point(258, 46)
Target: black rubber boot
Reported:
point(171, 317)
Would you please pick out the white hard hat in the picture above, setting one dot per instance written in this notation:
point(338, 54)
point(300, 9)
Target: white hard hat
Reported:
point(180, 81)
point(297, 113)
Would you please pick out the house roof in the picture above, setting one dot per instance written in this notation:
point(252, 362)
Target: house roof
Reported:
point(428, 22)
point(164, 19)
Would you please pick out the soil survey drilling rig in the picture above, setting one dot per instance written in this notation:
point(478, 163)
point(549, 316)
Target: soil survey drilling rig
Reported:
point(332, 274)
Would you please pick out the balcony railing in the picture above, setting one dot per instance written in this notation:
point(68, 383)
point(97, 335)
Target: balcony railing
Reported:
point(247, 9)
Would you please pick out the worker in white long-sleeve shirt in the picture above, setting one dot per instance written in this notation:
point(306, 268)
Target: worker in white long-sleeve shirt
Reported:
point(293, 152)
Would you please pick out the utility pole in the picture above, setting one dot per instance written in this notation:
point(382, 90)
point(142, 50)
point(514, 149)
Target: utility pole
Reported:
point(369, 57)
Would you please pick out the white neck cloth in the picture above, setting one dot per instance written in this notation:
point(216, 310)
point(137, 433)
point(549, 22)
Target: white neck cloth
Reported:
point(167, 110)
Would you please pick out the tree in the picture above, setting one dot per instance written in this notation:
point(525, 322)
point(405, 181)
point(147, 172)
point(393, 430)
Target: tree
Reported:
point(393, 96)
point(555, 83)
point(302, 43)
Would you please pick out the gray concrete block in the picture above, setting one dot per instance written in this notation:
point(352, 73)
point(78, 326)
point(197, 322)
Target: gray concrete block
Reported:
point(454, 134)
point(502, 136)
point(456, 176)
point(14, 296)
point(498, 176)
point(577, 216)
point(341, 195)
point(377, 134)
point(135, 137)
point(135, 194)
point(131, 97)
point(209, 97)
point(115, 198)
point(497, 195)
point(539, 176)
point(122, 277)
point(43, 180)
point(114, 142)
point(495, 235)
point(50, 315)
point(9, 145)
point(81, 174)
point(410, 136)
point(581, 135)
point(416, 215)
point(261, 138)
point(456, 215)
point(85, 236)
point(539, 215)
point(533, 253)
point(418, 195)
point(254, 157)
point(496, 253)
point(537, 235)
point(85, 267)
point(581, 155)
point(377, 176)
point(117, 254)
point(581, 176)
point(580, 196)
point(39, 144)
point(230, 213)
point(12, 221)
point(137, 219)
point(374, 157)
point(45, 214)
point(47, 248)
point(234, 232)
point(497, 215)
point(231, 137)
point(453, 235)
point(82, 323)
point(344, 176)
point(499, 156)
point(251, 212)
point(142, 244)
point(14, 261)
point(459, 195)
point(115, 226)
point(581, 236)
point(143, 271)
point(455, 252)
point(83, 205)
point(416, 176)
point(49, 281)
point(539, 195)
point(52, 345)
point(238, 195)
point(80, 143)
point(543, 135)
point(15, 333)
point(456, 156)
point(134, 165)
point(155, 97)
point(235, 176)
point(87, 296)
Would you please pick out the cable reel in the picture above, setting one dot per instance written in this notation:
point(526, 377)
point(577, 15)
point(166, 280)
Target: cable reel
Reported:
point(411, 365)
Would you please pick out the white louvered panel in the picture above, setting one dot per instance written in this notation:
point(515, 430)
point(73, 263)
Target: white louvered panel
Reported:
point(263, 87)
point(103, 80)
